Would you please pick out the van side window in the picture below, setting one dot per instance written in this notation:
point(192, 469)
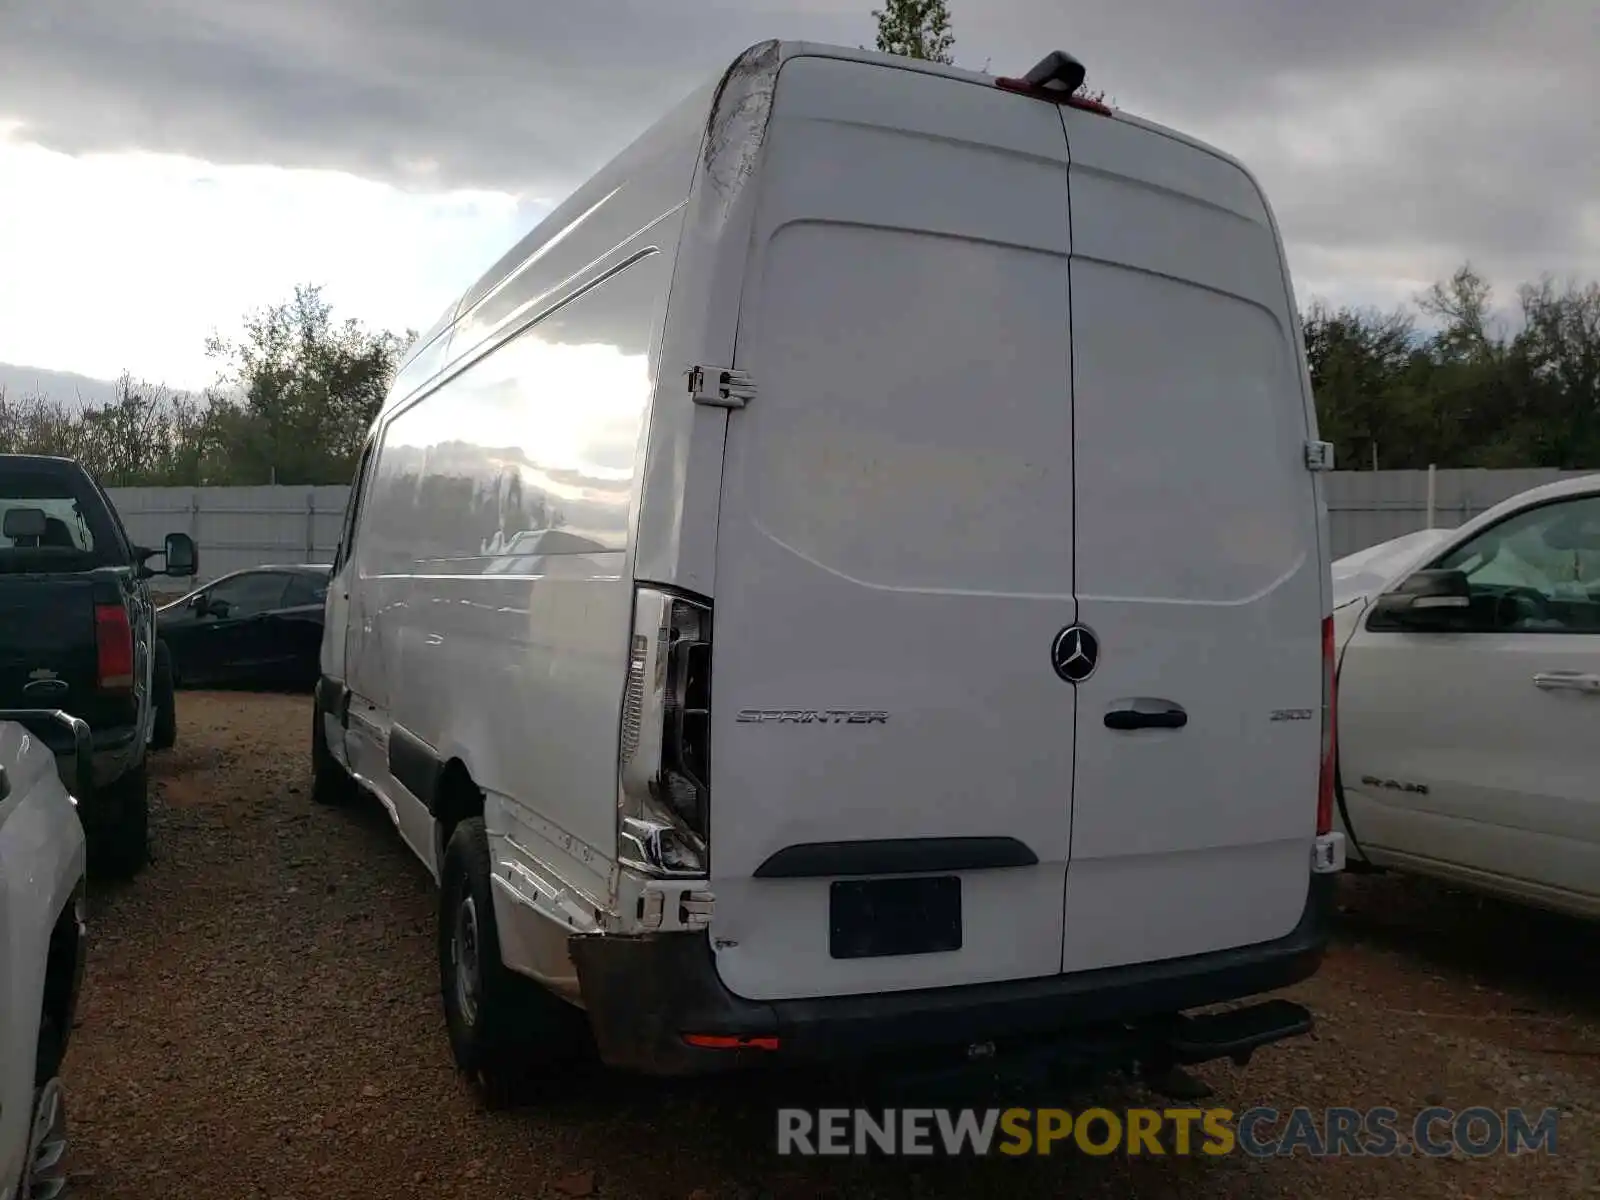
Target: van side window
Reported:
point(540, 434)
point(352, 508)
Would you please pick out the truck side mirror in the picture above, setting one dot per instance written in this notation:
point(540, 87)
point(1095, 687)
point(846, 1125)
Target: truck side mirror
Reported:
point(182, 559)
point(1425, 600)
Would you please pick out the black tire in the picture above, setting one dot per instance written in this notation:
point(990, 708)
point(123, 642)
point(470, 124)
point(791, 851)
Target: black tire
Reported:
point(47, 1061)
point(165, 698)
point(506, 1032)
point(118, 836)
point(330, 783)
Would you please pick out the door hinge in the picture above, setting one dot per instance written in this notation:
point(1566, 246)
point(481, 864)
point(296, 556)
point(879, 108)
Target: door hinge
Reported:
point(721, 387)
point(1319, 456)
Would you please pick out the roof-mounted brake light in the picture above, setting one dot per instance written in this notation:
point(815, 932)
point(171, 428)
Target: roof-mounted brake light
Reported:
point(1056, 78)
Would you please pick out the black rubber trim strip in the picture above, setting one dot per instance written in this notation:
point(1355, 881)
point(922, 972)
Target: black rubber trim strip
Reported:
point(1344, 813)
point(895, 856)
point(414, 765)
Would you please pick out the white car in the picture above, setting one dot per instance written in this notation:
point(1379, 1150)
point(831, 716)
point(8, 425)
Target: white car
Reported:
point(41, 952)
point(1469, 700)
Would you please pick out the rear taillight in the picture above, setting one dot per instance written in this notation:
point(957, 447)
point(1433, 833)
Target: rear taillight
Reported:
point(113, 639)
point(1084, 103)
point(1330, 692)
point(665, 746)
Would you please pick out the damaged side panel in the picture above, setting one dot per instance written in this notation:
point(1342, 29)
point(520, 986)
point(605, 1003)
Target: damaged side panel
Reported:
point(737, 123)
point(681, 482)
point(553, 888)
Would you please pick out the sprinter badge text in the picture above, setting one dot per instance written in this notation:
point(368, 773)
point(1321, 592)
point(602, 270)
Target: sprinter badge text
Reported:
point(812, 716)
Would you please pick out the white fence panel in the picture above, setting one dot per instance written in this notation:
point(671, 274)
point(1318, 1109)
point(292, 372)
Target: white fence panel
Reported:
point(236, 528)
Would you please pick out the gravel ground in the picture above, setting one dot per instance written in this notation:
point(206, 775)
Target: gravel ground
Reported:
point(261, 1019)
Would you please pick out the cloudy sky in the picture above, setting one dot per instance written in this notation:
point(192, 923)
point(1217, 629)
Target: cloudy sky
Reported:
point(166, 165)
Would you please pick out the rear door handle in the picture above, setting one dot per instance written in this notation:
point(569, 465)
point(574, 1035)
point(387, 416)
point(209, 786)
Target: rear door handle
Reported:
point(1570, 681)
point(1146, 712)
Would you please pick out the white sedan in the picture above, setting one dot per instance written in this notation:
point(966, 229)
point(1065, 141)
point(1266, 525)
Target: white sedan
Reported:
point(41, 950)
point(1469, 700)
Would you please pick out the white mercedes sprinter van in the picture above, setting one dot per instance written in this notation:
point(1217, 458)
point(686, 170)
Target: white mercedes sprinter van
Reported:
point(855, 579)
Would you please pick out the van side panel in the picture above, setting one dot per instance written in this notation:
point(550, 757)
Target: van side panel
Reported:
point(1197, 554)
point(493, 563)
point(896, 527)
point(628, 195)
point(680, 484)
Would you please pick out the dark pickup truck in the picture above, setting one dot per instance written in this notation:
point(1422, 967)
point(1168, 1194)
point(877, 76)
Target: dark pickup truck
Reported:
point(78, 634)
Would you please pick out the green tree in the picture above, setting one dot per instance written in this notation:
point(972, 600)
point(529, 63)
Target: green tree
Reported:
point(1475, 390)
point(1553, 366)
point(1360, 362)
point(298, 390)
point(146, 435)
point(915, 29)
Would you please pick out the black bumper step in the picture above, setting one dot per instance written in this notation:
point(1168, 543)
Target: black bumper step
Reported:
point(1236, 1033)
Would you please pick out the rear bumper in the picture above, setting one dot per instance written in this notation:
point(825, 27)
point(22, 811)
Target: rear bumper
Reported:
point(113, 752)
point(643, 994)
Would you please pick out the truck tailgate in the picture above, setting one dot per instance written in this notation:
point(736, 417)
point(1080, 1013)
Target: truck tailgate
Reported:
point(47, 642)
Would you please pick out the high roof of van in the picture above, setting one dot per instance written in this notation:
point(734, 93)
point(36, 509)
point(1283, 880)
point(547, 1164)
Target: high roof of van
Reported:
point(706, 115)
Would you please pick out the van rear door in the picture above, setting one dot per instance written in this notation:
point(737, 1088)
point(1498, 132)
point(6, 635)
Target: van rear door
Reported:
point(894, 554)
point(1198, 559)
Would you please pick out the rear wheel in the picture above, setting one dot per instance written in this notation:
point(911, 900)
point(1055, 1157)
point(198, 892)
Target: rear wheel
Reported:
point(330, 783)
point(118, 835)
point(505, 1030)
point(164, 696)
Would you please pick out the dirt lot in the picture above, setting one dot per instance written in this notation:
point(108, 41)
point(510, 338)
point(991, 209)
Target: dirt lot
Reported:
point(261, 1020)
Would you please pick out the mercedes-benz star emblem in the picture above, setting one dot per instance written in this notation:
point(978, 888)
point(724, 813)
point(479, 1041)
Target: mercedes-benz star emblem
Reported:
point(1074, 653)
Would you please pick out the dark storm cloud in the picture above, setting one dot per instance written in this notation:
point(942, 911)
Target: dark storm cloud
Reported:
point(1409, 132)
point(495, 92)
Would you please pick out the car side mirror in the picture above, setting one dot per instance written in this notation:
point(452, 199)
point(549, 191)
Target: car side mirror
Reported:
point(182, 559)
point(1425, 600)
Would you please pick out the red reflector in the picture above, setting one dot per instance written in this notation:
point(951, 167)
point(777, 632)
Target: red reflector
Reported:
point(1330, 693)
point(713, 1041)
point(113, 639)
point(1055, 95)
point(1088, 105)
